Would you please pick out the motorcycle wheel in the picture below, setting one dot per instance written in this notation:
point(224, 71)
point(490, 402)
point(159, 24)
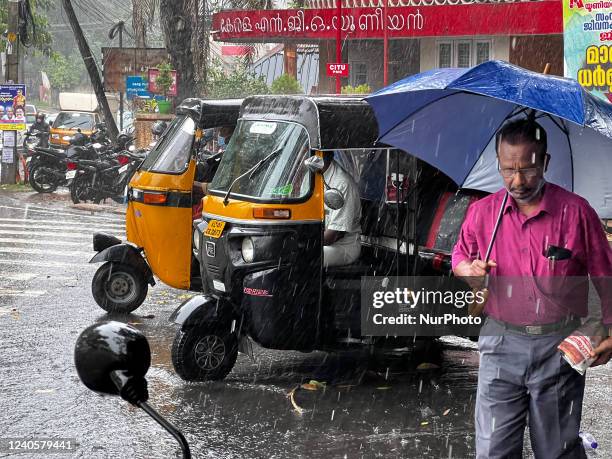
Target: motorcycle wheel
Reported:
point(117, 287)
point(205, 352)
point(40, 180)
point(79, 189)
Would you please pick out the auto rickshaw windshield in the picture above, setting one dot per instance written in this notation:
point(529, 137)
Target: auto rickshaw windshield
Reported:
point(282, 176)
point(172, 153)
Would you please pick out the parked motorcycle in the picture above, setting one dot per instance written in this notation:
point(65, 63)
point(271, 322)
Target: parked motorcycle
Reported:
point(46, 166)
point(102, 178)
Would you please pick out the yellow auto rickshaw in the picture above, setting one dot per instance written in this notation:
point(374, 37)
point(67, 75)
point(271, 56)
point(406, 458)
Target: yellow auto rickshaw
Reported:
point(260, 242)
point(161, 199)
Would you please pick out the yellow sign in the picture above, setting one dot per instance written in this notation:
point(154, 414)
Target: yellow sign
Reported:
point(11, 36)
point(12, 127)
point(214, 229)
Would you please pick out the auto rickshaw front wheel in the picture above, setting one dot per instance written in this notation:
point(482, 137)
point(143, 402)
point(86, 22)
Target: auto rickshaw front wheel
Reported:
point(205, 352)
point(118, 287)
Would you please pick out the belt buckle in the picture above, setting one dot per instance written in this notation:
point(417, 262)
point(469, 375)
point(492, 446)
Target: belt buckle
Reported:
point(534, 329)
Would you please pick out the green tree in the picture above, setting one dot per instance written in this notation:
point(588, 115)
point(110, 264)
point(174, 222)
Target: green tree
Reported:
point(163, 82)
point(35, 27)
point(286, 84)
point(64, 72)
point(238, 83)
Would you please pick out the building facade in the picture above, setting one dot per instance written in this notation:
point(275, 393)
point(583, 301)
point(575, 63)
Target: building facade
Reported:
point(421, 35)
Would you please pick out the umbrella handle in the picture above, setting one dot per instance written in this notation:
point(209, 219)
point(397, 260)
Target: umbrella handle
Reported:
point(497, 223)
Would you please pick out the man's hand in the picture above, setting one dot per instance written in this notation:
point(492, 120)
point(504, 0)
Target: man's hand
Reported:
point(476, 268)
point(603, 352)
point(473, 271)
point(331, 236)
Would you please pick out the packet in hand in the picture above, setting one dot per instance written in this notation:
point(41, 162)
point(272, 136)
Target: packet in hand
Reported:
point(576, 348)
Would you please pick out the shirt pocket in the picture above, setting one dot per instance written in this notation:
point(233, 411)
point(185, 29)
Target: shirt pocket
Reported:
point(558, 280)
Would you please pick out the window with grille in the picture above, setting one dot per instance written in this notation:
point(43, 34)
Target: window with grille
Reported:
point(445, 55)
point(463, 53)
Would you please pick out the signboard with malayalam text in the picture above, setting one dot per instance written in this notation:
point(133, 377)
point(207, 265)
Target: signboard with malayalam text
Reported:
point(587, 43)
point(338, 70)
point(12, 107)
point(428, 19)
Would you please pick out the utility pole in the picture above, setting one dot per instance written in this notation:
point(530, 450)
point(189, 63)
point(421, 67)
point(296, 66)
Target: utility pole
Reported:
point(90, 64)
point(121, 93)
point(8, 165)
point(12, 58)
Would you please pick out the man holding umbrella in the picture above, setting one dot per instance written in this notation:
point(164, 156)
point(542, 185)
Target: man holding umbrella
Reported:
point(543, 231)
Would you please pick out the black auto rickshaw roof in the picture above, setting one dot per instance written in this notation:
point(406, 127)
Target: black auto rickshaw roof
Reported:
point(209, 113)
point(332, 122)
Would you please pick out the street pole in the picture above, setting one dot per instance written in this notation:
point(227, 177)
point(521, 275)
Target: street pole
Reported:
point(8, 164)
point(121, 93)
point(12, 59)
point(338, 42)
point(90, 65)
point(385, 46)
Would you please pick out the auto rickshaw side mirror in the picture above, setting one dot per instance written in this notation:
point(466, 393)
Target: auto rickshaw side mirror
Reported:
point(333, 198)
point(113, 358)
point(314, 164)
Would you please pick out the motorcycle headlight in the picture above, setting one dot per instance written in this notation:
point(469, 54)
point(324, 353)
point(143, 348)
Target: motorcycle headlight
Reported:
point(248, 250)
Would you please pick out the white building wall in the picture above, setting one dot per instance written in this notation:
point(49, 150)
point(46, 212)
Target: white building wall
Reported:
point(500, 49)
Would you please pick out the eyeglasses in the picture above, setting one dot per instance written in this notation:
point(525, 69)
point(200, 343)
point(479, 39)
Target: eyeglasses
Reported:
point(528, 172)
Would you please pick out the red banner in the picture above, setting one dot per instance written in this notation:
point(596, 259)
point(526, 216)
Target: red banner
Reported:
point(521, 18)
point(338, 70)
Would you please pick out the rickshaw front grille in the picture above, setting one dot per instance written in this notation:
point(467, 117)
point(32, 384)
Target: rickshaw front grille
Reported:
point(213, 269)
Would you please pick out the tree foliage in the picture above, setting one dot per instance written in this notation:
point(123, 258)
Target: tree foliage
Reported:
point(186, 26)
point(361, 89)
point(238, 83)
point(286, 84)
point(39, 37)
point(64, 72)
point(163, 82)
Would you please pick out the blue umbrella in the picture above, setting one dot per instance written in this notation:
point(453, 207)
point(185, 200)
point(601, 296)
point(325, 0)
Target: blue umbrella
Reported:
point(449, 117)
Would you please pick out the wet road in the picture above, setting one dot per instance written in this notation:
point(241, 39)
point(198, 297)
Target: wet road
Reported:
point(366, 410)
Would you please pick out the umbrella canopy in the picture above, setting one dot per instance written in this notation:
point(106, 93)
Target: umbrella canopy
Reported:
point(449, 117)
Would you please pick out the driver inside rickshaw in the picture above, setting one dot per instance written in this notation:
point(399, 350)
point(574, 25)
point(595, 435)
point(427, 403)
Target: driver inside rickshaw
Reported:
point(341, 244)
point(206, 170)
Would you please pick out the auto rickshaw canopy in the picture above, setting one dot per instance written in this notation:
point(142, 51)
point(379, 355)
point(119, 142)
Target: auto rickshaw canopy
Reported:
point(332, 122)
point(211, 112)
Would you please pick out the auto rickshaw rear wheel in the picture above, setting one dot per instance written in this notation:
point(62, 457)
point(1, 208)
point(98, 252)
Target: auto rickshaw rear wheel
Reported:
point(205, 352)
point(118, 287)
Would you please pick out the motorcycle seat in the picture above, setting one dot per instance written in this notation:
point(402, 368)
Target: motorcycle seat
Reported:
point(52, 151)
point(94, 163)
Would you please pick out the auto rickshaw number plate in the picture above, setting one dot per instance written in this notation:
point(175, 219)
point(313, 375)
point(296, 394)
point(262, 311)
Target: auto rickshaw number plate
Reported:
point(214, 229)
point(70, 175)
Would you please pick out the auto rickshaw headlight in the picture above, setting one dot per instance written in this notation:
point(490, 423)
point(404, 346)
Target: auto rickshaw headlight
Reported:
point(248, 250)
point(196, 240)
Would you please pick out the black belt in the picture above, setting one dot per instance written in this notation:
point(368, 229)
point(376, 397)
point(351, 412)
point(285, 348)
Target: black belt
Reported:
point(568, 324)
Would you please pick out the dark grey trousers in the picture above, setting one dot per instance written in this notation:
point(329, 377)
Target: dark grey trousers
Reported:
point(523, 378)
